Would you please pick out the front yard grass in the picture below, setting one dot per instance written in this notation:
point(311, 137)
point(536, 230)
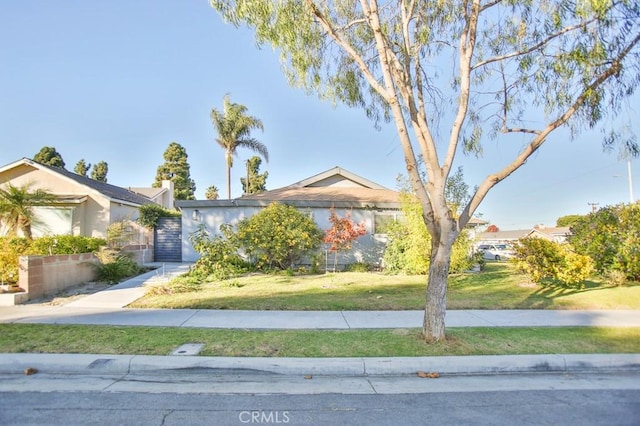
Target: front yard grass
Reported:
point(40, 338)
point(498, 287)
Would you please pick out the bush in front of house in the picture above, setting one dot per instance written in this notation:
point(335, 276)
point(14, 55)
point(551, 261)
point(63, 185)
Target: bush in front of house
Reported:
point(219, 258)
point(279, 236)
point(611, 237)
point(547, 262)
point(149, 214)
point(11, 248)
point(115, 265)
point(66, 244)
point(409, 243)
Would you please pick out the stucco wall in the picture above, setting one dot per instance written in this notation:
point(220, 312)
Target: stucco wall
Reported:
point(42, 275)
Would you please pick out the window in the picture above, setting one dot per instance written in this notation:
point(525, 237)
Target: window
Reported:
point(52, 221)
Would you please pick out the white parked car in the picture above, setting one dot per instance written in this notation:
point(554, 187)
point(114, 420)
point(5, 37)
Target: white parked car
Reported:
point(496, 251)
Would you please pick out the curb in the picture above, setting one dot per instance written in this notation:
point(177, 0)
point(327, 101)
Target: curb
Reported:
point(96, 364)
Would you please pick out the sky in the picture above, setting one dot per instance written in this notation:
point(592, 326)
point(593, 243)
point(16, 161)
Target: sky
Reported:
point(118, 81)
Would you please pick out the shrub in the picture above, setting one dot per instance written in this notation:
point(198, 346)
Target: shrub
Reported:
point(120, 233)
point(66, 244)
point(358, 267)
point(278, 236)
point(460, 259)
point(409, 244)
point(611, 237)
point(151, 213)
point(10, 249)
point(115, 265)
point(219, 258)
point(548, 262)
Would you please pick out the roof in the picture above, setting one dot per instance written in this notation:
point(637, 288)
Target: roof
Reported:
point(149, 192)
point(328, 194)
point(337, 176)
point(115, 193)
point(560, 231)
point(336, 186)
point(504, 235)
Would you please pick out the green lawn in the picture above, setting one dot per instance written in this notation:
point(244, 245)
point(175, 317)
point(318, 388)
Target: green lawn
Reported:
point(498, 287)
point(37, 338)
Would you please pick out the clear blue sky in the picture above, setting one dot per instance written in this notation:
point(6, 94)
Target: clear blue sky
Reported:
point(117, 81)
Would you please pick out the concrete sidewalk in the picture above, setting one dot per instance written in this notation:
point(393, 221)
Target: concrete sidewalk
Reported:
point(108, 308)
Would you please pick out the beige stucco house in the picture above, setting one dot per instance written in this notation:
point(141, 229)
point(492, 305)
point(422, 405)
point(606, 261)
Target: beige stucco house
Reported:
point(83, 206)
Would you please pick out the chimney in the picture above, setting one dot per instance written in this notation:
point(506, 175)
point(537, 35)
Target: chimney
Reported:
point(167, 200)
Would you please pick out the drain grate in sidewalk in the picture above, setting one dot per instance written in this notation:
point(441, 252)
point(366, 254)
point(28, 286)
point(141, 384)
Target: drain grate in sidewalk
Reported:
point(188, 349)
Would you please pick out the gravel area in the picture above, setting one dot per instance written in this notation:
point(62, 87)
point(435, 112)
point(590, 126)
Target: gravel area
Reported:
point(70, 294)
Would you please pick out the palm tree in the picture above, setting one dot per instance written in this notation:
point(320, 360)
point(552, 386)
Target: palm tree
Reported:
point(234, 128)
point(16, 207)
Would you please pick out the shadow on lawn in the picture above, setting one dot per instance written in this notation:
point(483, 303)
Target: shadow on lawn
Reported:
point(545, 296)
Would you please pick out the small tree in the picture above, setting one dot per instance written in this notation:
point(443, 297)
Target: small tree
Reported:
point(50, 157)
point(82, 167)
point(342, 234)
point(278, 236)
point(99, 171)
point(211, 193)
point(255, 181)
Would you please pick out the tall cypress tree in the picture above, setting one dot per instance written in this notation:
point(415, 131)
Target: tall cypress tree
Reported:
point(176, 169)
point(49, 156)
point(99, 171)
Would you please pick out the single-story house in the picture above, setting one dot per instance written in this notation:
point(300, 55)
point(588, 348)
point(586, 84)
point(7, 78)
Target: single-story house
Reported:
point(557, 234)
point(337, 188)
point(83, 206)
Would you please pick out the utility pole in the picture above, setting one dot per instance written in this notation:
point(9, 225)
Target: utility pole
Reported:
point(593, 206)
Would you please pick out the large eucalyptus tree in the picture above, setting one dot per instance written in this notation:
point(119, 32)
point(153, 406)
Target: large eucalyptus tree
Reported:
point(451, 74)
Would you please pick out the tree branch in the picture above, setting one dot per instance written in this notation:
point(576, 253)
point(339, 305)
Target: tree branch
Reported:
point(492, 180)
point(534, 47)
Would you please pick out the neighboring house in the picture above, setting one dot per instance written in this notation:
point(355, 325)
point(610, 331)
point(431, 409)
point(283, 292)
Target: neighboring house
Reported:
point(337, 188)
point(557, 234)
point(502, 237)
point(84, 206)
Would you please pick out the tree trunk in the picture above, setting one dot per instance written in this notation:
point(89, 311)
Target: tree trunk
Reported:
point(228, 182)
point(25, 225)
point(433, 327)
